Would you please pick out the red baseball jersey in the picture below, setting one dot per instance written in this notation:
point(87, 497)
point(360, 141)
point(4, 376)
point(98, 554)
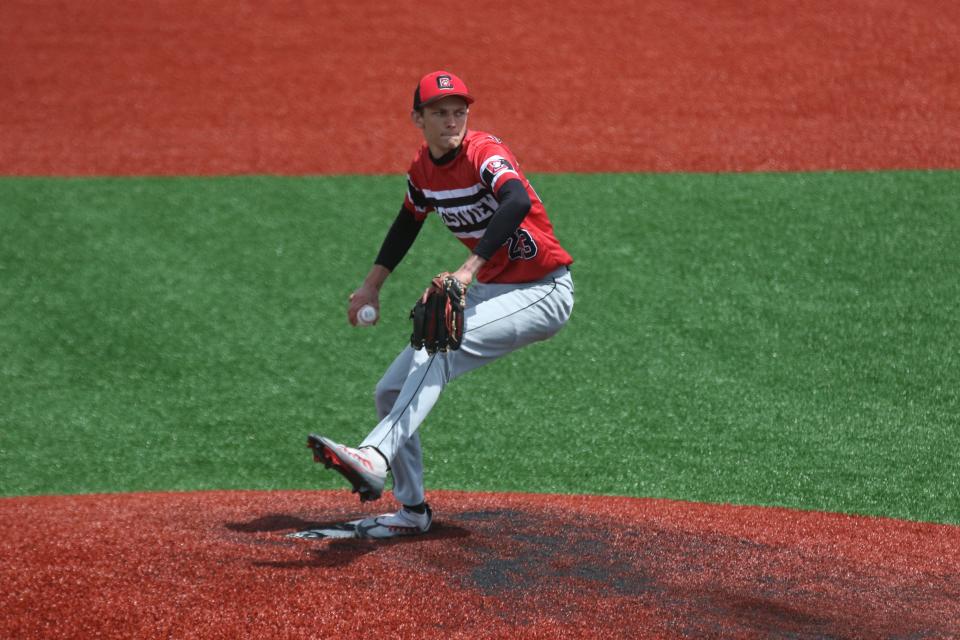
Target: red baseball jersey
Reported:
point(463, 191)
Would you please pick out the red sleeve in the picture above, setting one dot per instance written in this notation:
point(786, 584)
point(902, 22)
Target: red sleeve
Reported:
point(414, 200)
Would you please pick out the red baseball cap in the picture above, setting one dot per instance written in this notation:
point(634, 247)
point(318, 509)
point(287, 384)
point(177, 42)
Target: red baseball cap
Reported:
point(437, 85)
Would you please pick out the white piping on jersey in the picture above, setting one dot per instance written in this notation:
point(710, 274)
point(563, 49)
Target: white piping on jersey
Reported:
point(453, 193)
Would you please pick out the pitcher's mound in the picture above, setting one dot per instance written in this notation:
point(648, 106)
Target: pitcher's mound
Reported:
point(221, 564)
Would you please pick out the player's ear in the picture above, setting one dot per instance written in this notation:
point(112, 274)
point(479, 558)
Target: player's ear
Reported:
point(416, 116)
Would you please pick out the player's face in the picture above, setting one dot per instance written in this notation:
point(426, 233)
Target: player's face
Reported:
point(444, 123)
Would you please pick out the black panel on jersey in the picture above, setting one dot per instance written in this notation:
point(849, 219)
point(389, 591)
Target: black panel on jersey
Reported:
point(462, 201)
point(416, 196)
point(399, 239)
point(514, 206)
point(469, 227)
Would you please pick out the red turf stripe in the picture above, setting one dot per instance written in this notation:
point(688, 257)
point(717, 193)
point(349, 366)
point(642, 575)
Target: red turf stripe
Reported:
point(182, 87)
point(218, 564)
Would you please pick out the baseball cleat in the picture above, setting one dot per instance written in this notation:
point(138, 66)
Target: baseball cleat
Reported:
point(364, 468)
point(393, 525)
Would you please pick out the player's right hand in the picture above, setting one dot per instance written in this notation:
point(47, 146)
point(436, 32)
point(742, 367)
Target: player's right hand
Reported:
point(363, 295)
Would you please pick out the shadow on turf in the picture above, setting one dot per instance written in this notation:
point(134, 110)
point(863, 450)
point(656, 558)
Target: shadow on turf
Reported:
point(335, 552)
point(277, 522)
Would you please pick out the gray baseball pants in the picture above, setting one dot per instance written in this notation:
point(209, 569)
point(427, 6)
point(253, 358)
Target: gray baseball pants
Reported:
point(499, 319)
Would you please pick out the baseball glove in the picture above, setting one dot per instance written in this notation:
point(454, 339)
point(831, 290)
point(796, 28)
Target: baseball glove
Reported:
point(438, 316)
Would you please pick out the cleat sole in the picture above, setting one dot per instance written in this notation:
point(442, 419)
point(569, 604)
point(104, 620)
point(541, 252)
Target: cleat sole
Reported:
point(324, 455)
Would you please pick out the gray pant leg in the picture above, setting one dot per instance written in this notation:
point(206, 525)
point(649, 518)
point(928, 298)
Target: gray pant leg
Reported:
point(388, 388)
point(407, 464)
point(499, 319)
point(407, 469)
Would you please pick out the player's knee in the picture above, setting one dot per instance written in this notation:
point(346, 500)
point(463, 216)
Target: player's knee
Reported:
point(384, 396)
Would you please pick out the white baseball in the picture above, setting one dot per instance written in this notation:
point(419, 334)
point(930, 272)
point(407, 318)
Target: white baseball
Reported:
point(366, 315)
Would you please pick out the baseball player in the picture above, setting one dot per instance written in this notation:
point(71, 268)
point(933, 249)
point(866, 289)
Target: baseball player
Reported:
point(519, 291)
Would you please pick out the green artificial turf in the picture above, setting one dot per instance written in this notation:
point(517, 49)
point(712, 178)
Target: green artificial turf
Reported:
point(775, 339)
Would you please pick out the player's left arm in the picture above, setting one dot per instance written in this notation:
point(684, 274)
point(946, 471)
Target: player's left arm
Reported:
point(514, 205)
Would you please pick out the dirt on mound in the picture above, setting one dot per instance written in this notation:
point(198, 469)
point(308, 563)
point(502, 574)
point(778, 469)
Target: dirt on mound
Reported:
point(221, 564)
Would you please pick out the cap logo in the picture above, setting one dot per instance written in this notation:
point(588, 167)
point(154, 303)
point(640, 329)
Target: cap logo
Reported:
point(444, 82)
